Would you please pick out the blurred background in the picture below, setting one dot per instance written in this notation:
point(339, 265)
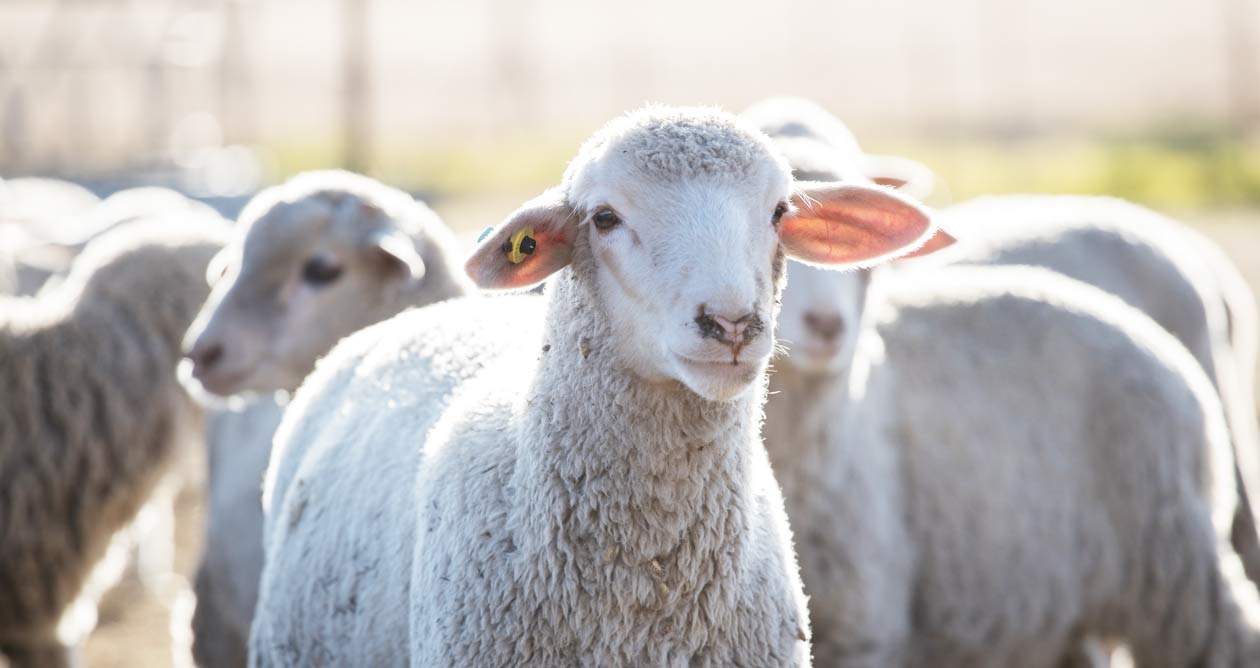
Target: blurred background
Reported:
point(477, 104)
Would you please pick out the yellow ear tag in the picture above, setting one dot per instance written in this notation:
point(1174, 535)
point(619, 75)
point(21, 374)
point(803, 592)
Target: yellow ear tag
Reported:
point(521, 244)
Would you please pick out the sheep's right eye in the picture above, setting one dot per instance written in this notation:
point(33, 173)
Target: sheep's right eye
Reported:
point(779, 210)
point(320, 271)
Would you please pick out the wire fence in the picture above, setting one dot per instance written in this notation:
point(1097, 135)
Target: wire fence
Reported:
point(208, 91)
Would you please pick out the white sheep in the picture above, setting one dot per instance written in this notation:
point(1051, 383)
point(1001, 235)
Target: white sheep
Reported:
point(91, 417)
point(313, 260)
point(1010, 463)
point(948, 513)
point(1164, 268)
point(49, 222)
point(1170, 272)
point(575, 479)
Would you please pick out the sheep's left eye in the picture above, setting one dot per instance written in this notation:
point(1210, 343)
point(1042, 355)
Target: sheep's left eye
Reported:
point(320, 271)
point(605, 219)
point(779, 210)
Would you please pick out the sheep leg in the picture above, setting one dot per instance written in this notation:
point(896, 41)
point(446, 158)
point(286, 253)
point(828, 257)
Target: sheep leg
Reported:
point(49, 653)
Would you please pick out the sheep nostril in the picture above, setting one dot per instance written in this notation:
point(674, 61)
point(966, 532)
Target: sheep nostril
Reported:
point(205, 357)
point(727, 330)
point(826, 327)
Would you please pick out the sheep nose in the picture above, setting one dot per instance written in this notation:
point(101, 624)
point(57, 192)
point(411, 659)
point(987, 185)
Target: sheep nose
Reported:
point(736, 330)
point(826, 326)
point(205, 355)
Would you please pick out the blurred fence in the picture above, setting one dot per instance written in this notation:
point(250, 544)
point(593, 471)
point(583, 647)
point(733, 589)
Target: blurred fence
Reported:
point(222, 93)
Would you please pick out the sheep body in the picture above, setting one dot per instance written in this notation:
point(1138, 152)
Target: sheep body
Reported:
point(1163, 268)
point(359, 570)
point(92, 414)
point(329, 213)
point(926, 504)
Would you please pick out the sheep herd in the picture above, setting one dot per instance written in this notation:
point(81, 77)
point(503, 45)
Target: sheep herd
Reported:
point(1016, 431)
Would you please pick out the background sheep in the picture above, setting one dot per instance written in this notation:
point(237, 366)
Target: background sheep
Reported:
point(93, 416)
point(1009, 519)
point(45, 223)
point(851, 427)
point(314, 259)
point(602, 497)
point(1170, 272)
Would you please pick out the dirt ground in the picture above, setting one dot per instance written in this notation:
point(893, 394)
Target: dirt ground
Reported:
point(133, 627)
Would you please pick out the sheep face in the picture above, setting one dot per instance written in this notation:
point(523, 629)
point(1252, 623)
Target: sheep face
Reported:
point(678, 223)
point(819, 317)
point(307, 273)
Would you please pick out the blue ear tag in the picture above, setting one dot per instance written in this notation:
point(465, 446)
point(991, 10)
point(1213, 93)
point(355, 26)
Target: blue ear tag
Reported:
point(484, 233)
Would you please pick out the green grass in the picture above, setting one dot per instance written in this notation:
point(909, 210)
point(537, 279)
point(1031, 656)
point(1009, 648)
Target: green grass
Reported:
point(1178, 167)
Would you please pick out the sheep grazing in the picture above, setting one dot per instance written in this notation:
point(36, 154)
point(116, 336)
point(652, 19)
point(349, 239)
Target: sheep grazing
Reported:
point(1102, 512)
point(314, 259)
point(576, 478)
point(91, 416)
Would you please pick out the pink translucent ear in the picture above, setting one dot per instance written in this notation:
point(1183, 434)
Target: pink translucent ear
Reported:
point(941, 239)
point(852, 224)
point(533, 243)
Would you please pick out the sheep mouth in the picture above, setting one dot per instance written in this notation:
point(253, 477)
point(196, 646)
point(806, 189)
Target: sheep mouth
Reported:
point(726, 366)
point(217, 383)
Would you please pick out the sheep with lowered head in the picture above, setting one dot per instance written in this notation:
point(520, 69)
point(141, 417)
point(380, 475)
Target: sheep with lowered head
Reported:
point(575, 479)
point(91, 416)
point(314, 259)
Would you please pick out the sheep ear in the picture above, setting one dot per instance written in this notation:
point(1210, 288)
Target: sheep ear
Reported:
point(398, 252)
point(533, 243)
point(941, 239)
point(218, 265)
point(850, 224)
point(910, 177)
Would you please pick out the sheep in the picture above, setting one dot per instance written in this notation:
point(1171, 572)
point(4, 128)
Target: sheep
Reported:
point(1132, 252)
point(32, 199)
point(314, 259)
point(957, 503)
point(91, 417)
point(1167, 270)
point(577, 478)
point(38, 245)
point(879, 427)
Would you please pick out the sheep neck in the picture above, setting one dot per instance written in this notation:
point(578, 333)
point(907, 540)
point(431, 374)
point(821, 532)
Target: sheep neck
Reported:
point(622, 471)
point(798, 406)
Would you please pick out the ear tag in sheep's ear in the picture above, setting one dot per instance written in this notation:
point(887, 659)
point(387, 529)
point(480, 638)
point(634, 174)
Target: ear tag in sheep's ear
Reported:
point(520, 245)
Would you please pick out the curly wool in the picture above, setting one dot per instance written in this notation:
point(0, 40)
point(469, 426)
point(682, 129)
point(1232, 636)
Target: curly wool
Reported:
point(640, 529)
point(666, 143)
point(92, 412)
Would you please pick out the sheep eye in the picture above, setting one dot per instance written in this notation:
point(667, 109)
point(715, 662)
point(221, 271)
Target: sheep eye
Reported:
point(605, 219)
point(320, 271)
point(779, 210)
